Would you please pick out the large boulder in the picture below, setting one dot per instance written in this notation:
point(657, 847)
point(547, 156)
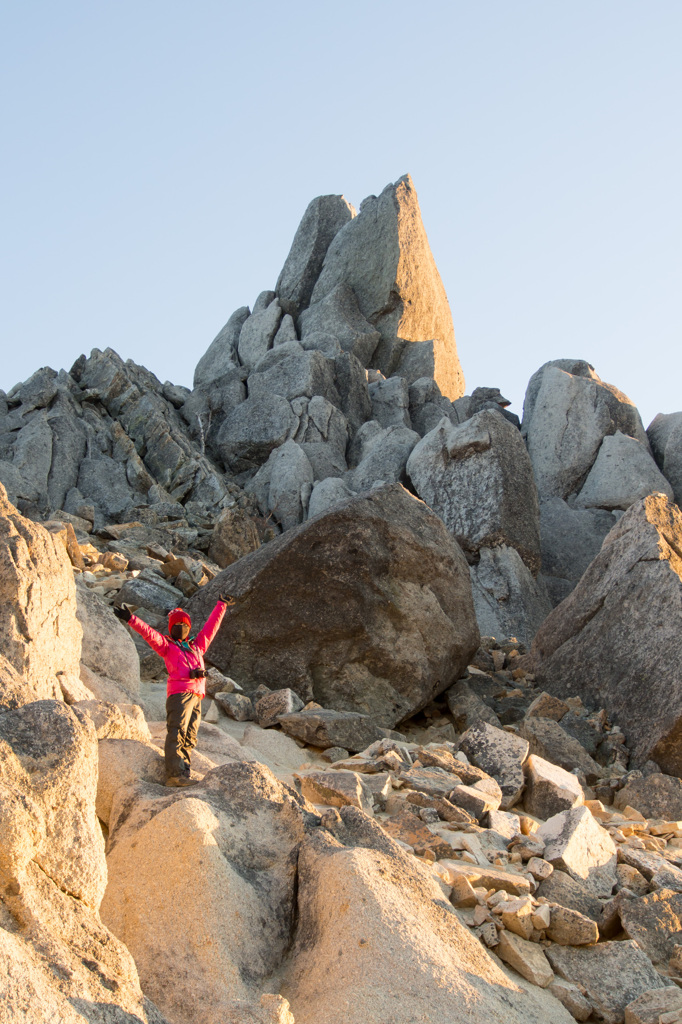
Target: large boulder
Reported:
point(405, 930)
point(337, 316)
point(616, 640)
point(107, 647)
point(258, 332)
point(235, 837)
point(283, 485)
point(665, 437)
point(57, 961)
point(623, 472)
point(383, 254)
point(251, 431)
point(40, 636)
point(567, 413)
point(366, 608)
point(478, 478)
point(322, 220)
point(382, 454)
point(507, 599)
point(570, 538)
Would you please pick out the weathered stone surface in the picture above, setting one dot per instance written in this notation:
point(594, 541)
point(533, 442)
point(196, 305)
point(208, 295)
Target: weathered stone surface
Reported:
point(326, 494)
point(547, 706)
point(525, 957)
point(292, 372)
point(426, 405)
point(615, 640)
point(33, 456)
point(612, 974)
point(405, 916)
point(366, 609)
point(40, 636)
point(650, 1006)
point(500, 754)
point(478, 478)
point(571, 928)
point(567, 413)
point(434, 781)
point(236, 705)
point(221, 355)
point(508, 601)
point(659, 872)
point(384, 255)
point(272, 705)
point(467, 708)
point(577, 844)
point(243, 828)
point(654, 922)
point(571, 997)
point(654, 796)
point(57, 961)
point(104, 483)
point(322, 220)
point(384, 454)
point(549, 788)
point(284, 484)
point(257, 333)
point(477, 801)
point(151, 592)
point(337, 315)
point(234, 535)
point(251, 431)
point(331, 729)
point(548, 740)
point(107, 647)
point(336, 789)
point(623, 472)
point(570, 538)
point(390, 402)
point(665, 437)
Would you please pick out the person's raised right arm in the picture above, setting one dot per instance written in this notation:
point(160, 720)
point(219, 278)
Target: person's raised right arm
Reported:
point(155, 639)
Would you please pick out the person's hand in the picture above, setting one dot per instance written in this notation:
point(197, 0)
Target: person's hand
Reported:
point(123, 612)
point(228, 600)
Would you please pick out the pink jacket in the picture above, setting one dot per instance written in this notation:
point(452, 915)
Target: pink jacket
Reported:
point(178, 659)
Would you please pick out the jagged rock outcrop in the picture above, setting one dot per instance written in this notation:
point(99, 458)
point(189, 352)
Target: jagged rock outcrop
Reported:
point(616, 638)
point(507, 599)
point(570, 538)
point(40, 636)
point(623, 472)
point(367, 608)
point(383, 254)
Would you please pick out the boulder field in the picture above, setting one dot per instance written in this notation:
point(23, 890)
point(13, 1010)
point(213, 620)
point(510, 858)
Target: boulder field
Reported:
point(439, 771)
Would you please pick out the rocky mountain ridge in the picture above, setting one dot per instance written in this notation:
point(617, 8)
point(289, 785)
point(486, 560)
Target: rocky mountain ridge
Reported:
point(438, 771)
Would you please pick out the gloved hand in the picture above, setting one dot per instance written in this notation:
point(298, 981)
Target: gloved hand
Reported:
point(228, 600)
point(123, 612)
point(197, 673)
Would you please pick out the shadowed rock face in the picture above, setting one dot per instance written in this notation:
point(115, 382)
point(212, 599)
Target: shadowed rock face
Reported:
point(367, 608)
point(384, 255)
point(616, 639)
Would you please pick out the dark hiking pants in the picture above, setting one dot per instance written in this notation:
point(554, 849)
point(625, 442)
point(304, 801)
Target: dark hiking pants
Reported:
point(183, 715)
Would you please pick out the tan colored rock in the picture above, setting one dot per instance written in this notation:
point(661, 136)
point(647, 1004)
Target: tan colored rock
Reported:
point(501, 754)
point(577, 844)
point(572, 998)
point(405, 923)
point(570, 927)
point(517, 916)
point(650, 1006)
point(336, 789)
point(655, 922)
point(525, 957)
point(488, 877)
point(384, 255)
point(365, 609)
point(621, 625)
point(40, 636)
point(547, 706)
point(234, 535)
point(411, 830)
point(220, 858)
point(123, 763)
point(550, 789)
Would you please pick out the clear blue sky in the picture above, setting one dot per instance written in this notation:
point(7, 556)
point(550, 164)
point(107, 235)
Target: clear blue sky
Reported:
point(157, 158)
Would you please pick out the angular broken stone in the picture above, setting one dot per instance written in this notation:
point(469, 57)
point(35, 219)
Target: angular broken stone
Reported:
point(570, 927)
point(572, 998)
point(446, 810)
point(549, 789)
point(488, 877)
point(337, 789)
point(655, 922)
point(410, 829)
point(324, 729)
point(612, 974)
point(650, 1007)
point(272, 705)
point(474, 800)
point(659, 872)
point(434, 781)
point(236, 705)
point(548, 740)
point(500, 754)
point(654, 796)
point(577, 844)
point(547, 706)
point(525, 957)
point(463, 894)
point(507, 825)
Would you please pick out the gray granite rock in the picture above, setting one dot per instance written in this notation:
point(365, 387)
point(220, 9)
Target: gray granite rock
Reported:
point(623, 472)
point(258, 332)
point(508, 600)
point(665, 437)
point(500, 754)
point(337, 315)
point(221, 355)
point(577, 844)
point(252, 430)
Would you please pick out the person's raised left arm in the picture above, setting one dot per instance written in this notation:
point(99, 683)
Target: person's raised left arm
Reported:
point(206, 636)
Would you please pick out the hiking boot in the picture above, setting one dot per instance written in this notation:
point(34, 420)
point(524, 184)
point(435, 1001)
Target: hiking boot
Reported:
point(180, 780)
